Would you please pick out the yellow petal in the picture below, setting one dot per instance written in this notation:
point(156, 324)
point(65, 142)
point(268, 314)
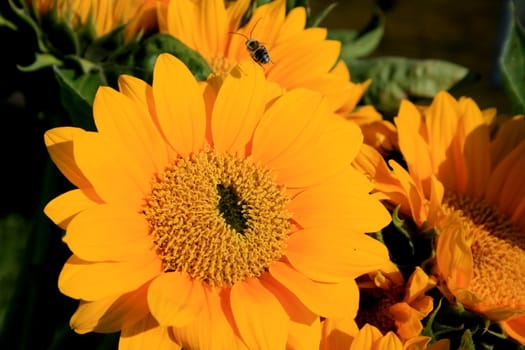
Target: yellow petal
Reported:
point(59, 143)
point(338, 202)
point(109, 233)
point(335, 255)
point(305, 326)
point(389, 342)
point(261, 320)
point(179, 105)
point(80, 279)
point(62, 208)
point(238, 108)
point(214, 327)
point(147, 334)
point(175, 299)
point(115, 177)
point(110, 314)
point(331, 300)
point(338, 333)
point(366, 338)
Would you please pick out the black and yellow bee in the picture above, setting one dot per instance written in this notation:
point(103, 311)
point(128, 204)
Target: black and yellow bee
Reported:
point(257, 50)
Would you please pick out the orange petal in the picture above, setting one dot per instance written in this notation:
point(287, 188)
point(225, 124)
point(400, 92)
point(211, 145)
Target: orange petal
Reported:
point(509, 136)
point(238, 108)
point(331, 300)
point(109, 232)
point(342, 201)
point(59, 143)
point(147, 334)
point(179, 104)
point(62, 208)
point(412, 144)
point(214, 327)
point(293, 23)
point(335, 255)
point(418, 283)
point(110, 314)
point(175, 299)
point(515, 328)
point(476, 143)
point(80, 279)
point(261, 320)
point(454, 257)
point(182, 17)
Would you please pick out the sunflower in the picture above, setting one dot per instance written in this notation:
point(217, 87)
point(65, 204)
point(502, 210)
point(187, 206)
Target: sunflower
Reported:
point(104, 16)
point(468, 186)
point(346, 335)
point(391, 304)
point(213, 217)
point(299, 57)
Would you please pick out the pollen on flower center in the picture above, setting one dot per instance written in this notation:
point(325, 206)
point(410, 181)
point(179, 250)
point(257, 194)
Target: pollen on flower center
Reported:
point(218, 217)
point(221, 66)
point(498, 251)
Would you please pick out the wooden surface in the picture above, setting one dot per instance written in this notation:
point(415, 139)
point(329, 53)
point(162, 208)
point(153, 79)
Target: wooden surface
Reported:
point(466, 32)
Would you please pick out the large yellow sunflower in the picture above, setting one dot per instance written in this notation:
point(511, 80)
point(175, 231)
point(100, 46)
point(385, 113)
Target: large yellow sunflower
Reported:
point(469, 186)
point(299, 57)
point(105, 15)
point(213, 218)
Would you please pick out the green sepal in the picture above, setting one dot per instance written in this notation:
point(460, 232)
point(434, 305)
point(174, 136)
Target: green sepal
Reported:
point(23, 12)
point(77, 92)
point(397, 78)
point(317, 19)
point(467, 343)
point(147, 53)
point(512, 60)
point(42, 60)
point(4, 22)
point(361, 43)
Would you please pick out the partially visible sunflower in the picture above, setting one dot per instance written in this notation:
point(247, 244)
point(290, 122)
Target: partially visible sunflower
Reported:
point(221, 218)
point(104, 15)
point(299, 57)
point(469, 187)
point(345, 335)
point(391, 304)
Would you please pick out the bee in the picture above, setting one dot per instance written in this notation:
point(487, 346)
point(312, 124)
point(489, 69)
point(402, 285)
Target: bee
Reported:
point(257, 50)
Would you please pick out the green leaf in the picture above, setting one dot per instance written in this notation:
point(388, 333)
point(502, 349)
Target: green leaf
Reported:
point(397, 78)
point(77, 91)
point(366, 40)
point(512, 61)
point(24, 13)
point(146, 56)
point(315, 21)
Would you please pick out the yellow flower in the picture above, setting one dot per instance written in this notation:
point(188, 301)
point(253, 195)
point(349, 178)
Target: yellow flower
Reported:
point(105, 15)
point(213, 218)
point(391, 304)
point(299, 57)
point(345, 335)
point(470, 188)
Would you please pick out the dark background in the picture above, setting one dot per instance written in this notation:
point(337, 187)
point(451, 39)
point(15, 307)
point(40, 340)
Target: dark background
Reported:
point(465, 32)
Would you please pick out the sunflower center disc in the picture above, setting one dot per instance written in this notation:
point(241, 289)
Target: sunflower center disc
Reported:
point(498, 251)
point(218, 217)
